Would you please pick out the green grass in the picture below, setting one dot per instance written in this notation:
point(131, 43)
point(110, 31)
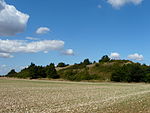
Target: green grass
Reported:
point(22, 96)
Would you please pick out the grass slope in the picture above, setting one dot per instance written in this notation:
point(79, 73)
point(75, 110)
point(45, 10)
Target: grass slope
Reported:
point(98, 71)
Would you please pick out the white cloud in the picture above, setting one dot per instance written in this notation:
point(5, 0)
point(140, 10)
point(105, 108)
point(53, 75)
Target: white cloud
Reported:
point(115, 56)
point(2, 4)
point(42, 30)
point(22, 67)
point(45, 52)
point(4, 69)
point(5, 55)
point(4, 65)
point(15, 46)
point(31, 38)
point(12, 21)
point(68, 52)
point(135, 56)
point(99, 6)
point(119, 3)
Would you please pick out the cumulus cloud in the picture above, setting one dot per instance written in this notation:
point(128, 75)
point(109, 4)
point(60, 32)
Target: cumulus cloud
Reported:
point(99, 6)
point(2, 4)
point(23, 67)
point(5, 55)
point(32, 38)
point(135, 56)
point(12, 21)
point(15, 46)
point(68, 52)
point(120, 3)
point(42, 30)
point(115, 56)
point(4, 69)
point(45, 52)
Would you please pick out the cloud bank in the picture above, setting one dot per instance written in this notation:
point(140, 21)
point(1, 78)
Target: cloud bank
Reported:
point(115, 56)
point(12, 21)
point(119, 3)
point(136, 56)
point(7, 47)
point(6, 55)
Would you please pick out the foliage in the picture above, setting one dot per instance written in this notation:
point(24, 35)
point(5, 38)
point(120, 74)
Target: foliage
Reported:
point(24, 73)
point(86, 62)
point(77, 66)
point(51, 71)
point(131, 73)
point(77, 75)
point(34, 72)
point(11, 73)
point(105, 70)
point(61, 64)
point(105, 58)
point(81, 65)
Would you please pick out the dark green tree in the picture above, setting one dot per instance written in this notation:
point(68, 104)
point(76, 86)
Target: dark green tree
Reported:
point(86, 62)
point(147, 78)
point(51, 71)
point(33, 71)
point(12, 73)
point(105, 58)
point(61, 64)
point(41, 72)
point(129, 73)
point(94, 62)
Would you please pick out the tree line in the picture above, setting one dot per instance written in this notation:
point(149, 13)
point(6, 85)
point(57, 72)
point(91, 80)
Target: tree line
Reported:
point(33, 72)
point(134, 72)
point(120, 70)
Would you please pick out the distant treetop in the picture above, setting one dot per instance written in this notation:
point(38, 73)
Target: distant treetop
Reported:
point(105, 58)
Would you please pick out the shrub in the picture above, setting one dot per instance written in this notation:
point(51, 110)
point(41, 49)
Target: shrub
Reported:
point(105, 58)
point(129, 73)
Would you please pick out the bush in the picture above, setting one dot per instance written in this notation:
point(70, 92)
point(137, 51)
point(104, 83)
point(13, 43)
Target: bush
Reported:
point(69, 74)
point(51, 71)
point(61, 64)
point(147, 78)
point(129, 73)
point(77, 75)
point(12, 73)
point(105, 58)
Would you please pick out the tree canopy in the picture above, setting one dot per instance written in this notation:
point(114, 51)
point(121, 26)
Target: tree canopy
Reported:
point(11, 73)
point(62, 64)
point(105, 58)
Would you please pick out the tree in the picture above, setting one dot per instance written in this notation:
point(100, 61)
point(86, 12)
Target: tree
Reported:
point(129, 73)
point(51, 71)
point(147, 78)
point(105, 58)
point(61, 64)
point(12, 73)
point(86, 62)
point(33, 71)
point(94, 62)
point(41, 72)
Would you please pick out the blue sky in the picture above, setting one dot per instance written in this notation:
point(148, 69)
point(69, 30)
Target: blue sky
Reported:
point(78, 29)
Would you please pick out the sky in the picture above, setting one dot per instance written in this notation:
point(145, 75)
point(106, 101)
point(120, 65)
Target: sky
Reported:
point(71, 30)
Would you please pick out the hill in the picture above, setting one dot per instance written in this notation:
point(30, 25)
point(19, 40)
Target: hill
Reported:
point(104, 70)
point(101, 71)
